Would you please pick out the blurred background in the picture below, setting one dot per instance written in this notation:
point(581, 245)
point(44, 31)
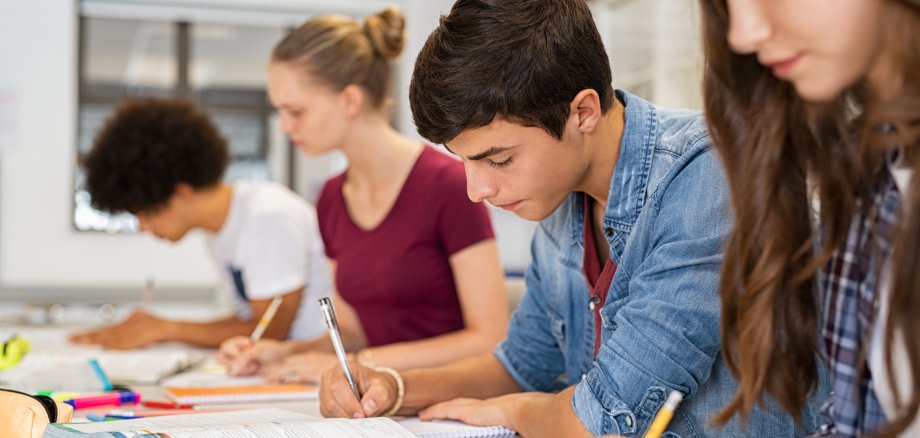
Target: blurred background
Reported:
point(67, 63)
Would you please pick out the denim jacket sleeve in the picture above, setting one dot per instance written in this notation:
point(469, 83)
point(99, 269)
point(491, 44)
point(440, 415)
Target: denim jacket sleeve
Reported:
point(532, 335)
point(661, 320)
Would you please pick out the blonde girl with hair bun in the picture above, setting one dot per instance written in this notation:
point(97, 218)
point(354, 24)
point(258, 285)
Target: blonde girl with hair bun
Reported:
point(417, 275)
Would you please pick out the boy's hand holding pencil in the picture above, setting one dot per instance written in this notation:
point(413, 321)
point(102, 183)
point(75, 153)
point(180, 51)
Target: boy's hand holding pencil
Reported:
point(247, 355)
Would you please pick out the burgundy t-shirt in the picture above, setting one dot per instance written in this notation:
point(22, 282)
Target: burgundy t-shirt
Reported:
point(397, 276)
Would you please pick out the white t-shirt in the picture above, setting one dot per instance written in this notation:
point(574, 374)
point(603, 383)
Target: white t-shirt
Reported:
point(270, 245)
point(877, 354)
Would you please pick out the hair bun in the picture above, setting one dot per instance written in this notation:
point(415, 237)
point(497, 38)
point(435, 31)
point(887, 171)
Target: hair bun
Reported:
point(386, 30)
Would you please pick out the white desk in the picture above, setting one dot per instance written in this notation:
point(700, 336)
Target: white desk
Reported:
point(54, 338)
point(43, 338)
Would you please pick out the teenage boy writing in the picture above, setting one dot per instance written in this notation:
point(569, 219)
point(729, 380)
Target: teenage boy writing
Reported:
point(163, 161)
point(622, 301)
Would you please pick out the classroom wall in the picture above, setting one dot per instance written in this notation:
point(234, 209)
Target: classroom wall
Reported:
point(38, 247)
point(41, 255)
point(653, 45)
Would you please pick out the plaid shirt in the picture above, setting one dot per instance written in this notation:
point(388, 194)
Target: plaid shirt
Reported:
point(849, 283)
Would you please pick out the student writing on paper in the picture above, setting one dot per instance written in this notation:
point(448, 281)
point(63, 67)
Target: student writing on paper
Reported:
point(622, 302)
point(839, 83)
point(415, 262)
point(163, 161)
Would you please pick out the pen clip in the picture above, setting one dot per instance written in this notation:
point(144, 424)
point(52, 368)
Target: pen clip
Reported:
point(328, 315)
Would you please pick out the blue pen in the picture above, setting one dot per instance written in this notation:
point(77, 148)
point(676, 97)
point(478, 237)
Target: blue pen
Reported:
point(123, 414)
point(95, 417)
point(121, 417)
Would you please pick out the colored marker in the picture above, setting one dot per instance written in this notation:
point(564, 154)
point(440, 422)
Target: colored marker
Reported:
point(60, 396)
point(166, 405)
point(109, 399)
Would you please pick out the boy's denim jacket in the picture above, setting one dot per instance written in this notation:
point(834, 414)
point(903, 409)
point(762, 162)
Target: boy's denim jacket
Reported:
point(666, 221)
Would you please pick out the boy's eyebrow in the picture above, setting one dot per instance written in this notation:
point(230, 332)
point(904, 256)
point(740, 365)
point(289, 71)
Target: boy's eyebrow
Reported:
point(488, 153)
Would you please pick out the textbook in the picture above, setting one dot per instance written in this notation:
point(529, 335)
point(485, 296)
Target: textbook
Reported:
point(240, 394)
point(271, 422)
point(257, 423)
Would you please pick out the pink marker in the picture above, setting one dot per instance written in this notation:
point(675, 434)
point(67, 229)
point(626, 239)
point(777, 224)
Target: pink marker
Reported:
point(109, 399)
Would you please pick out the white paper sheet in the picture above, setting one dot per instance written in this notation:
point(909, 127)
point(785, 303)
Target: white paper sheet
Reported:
point(451, 429)
point(207, 375)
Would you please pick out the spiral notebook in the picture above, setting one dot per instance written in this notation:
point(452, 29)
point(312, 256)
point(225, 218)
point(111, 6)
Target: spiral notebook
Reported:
point(240, 394)
point(452, 429)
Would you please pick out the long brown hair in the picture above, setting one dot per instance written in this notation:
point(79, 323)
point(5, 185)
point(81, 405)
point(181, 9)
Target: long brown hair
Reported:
point(780, 154)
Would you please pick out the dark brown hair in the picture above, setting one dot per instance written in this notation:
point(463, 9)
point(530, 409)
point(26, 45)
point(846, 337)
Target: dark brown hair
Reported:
point(146, 148)
point(522, 60)
point(340, 52)
point(774, 146)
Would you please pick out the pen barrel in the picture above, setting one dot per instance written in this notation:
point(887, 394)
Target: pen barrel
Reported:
point(329, 315)
point(343, 359)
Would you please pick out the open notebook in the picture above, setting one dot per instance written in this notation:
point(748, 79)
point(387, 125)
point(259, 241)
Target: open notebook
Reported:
point(452, 429)
point(259, 423)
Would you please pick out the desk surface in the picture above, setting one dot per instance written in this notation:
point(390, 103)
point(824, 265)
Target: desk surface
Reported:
point(309, 407)
point(55, 339)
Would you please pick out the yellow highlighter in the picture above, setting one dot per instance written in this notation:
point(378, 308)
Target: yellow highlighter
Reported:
point(660, 423)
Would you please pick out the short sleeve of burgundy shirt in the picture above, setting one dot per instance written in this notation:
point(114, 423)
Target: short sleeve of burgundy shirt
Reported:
point(397, 276)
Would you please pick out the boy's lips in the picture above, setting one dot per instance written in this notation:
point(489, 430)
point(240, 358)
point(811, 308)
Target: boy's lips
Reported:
point(509, 206)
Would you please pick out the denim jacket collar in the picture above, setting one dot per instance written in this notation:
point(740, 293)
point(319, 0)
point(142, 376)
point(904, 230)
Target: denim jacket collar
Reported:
point(630, 176)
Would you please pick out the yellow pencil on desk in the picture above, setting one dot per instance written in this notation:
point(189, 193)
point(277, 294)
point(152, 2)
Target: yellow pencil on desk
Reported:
point(660, 423)
point(266, 319)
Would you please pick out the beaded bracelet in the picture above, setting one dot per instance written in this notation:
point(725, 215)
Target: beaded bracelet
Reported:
point(400, 389)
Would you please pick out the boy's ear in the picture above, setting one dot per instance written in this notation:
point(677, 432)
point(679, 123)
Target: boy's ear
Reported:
point(184, 191)
point(586, 108)
point(353, 100)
